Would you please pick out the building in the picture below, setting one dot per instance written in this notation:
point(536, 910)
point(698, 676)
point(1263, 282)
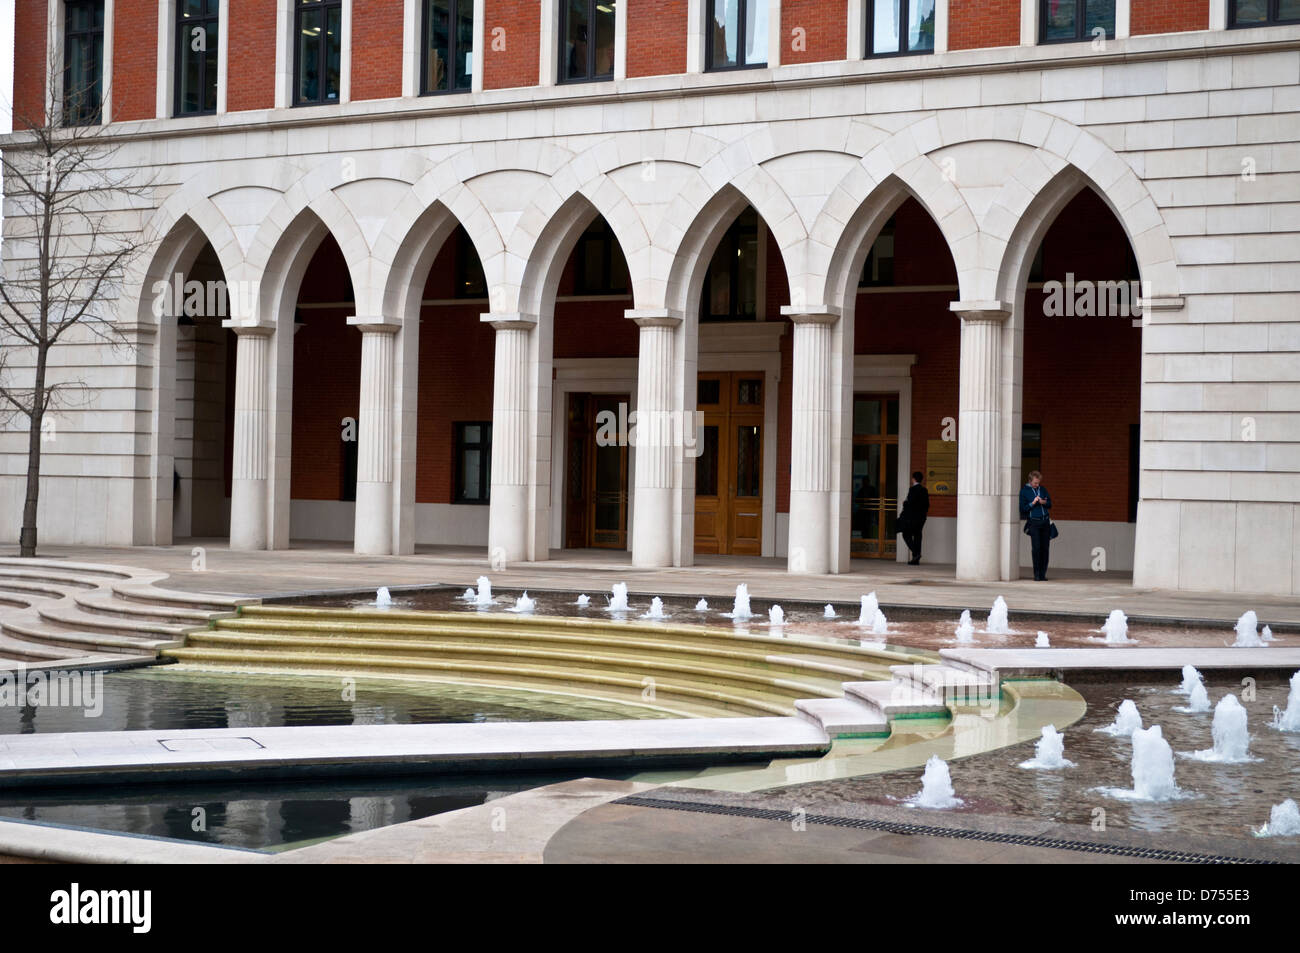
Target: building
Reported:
point(444, 249)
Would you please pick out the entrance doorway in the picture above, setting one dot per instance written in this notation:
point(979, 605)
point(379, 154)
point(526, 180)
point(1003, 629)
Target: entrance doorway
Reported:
point(596, 481)
point(729, 469)
point(875, 476)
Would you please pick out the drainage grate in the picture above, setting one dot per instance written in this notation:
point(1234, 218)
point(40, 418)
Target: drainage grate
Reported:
point(897, 827)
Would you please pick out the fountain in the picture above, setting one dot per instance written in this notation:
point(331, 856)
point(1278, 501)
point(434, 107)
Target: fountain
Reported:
point(524, 604)
point(1266, 634)
point(618, 598)
point(584, 601)
point(1198, 702)
point(965, 627)
point(383, 598)
point(1116, 628)
point(829, 612)
point(1283, 821)
point(1127, 721)
point(1191, 678)
point(1289, 720)
point(936, 787)
point(484, 595)
point(879, 624)
point(1153, 766)
point(776, 616)
point(867, 616)
point(1049, 752)
point(702, 605)
point(740, 607)
point(656, 609)
point(997, 621)
point(1041, 641)
point(1231, 739)
point(470, 595)
point(1247, 637)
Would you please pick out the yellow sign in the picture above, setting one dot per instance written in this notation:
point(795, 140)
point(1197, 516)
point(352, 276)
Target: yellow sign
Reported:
point(941, 467)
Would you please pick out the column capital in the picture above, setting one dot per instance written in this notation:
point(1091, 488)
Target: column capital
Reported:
point(654, 317)
point(811, 314)
point(981, 310)
point(375, 325)
point(252, 330)
point(510, 321)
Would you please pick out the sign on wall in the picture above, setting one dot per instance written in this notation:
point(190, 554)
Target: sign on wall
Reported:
point(941, 467)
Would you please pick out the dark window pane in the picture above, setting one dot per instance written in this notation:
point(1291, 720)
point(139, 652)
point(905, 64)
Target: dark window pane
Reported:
point(604, 17)
point(1099, 14)
point(210, 68)
point(576, 40)
point(439, 14)
point(309, 65)
point(725, 28)
point(748, 458)
point(1059, 20)
point(1251, 11)
point(708, 393)
point(333, 52)
point(1288, 10)
point(464, 65)
point(749, 391)
point(706, 464)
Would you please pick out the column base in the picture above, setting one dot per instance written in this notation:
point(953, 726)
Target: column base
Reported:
point(810, 532)
point(248, 518)
point(979, 551)
point(507, 525)
point(373, 535)
point(652, 524)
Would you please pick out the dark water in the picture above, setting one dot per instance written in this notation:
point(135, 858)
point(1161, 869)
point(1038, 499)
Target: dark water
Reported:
point(1225, 799)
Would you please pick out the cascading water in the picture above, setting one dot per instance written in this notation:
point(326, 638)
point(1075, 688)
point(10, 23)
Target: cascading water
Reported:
point(776, 616)
point(1127, 721)
point(965, 627)
point(740, 605)
point(867, 615)
point(617, 598)
point(936, 787)
point(702, 605)
point(1041, 641)
point(828, 612)
point(1247, 637)
point(656, 610)
point(1116, 627)
point(1289, 719)
point(997, 620)
point(584, 601)
point(1049, 752)
point(1230, 734)
point(383, 598)
point(1283, 821)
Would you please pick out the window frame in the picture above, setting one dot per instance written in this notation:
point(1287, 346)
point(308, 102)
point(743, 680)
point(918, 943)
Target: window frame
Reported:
point(1271, 18)
point(183, 26)
point(562, 64)
point(454, 52)
point(93, 117)
point(1081, 34)
point(299, 8)
point(484, 448)
point(903, 25)
point(709, 20)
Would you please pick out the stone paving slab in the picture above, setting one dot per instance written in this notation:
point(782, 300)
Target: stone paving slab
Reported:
point(97, 757)
point(1011, 662)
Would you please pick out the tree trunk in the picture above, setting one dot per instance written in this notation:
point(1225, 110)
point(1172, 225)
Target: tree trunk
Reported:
point(27, 539)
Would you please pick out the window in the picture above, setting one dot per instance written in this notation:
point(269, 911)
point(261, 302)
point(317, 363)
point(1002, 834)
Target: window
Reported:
point(731, 284)
point(473, 462)
point(318, 53)
point(196, 57)
point(586, 40)
point(1031, 450)
point(1068, 21)
point(736, 34)
point(83, 62)
point(900, 27)
point(1248, 13)
point(878, 269)
point(599, 267)
point(448, 64)
point(470, 280)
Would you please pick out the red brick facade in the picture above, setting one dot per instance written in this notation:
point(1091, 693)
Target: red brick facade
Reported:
point(29, 63)
point(978, 24)
point(656, 37)
point(251, 56)
point(1169, 16)
point(812, 31)
point(511, 43)
point(376, 52)
point(135, 60)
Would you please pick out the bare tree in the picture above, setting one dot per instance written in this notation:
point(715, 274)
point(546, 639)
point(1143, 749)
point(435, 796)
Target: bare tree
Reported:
point(65, 252)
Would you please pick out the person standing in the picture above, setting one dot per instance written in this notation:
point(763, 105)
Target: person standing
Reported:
point(1035, 507)
point(912, 520)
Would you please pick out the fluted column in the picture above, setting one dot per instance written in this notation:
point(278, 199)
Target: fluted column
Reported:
point(508, 522)
point(373, 534)
point(979, 439)
point(657, 439)
point(810, 444)
point(250, 463)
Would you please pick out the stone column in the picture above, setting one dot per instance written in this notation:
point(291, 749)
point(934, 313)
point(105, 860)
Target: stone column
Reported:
point(250, 464)
point(508, 520)
point(373, 534)
point(979, 429)
point(810, 444)
point(657, 439)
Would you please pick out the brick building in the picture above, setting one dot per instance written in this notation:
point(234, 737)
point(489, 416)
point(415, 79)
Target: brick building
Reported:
point(812, 246)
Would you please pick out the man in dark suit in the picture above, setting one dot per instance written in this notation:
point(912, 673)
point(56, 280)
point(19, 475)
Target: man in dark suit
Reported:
point(910, 522)
point(1035, 506)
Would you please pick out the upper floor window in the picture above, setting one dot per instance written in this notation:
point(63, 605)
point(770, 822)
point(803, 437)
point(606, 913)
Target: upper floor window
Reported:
point(878, 269)
point(83, 62)
point(737, 34)
point(900, 27)
point(599, 266)
point(318, 52)
point(1067, 21)
point(731, 284)
point(1244, 13)
point(448, 45)
point(586, 40)
point(196, 56)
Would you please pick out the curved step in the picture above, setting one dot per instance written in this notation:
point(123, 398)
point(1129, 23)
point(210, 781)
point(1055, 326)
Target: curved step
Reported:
point(88, 569)
point(76, 619)
point(843, 717)
point(39, 575)
point(34, 630)
point(104, 603)
point(137, 592)
point(24, 651)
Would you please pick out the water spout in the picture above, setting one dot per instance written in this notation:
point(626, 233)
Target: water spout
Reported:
point(965, 627)
point(879, 624)
point(829, 612)
point(740, 607)
point(1041, 641)
point(656, 609)
point(867, 616)
point(702, 605)
point(1153, 766)
point(584, 601)
point(1191, 678)
point(776, 616)
point(1247, 637)
point(617, 598)
point(1116, 628)
point(936, 787)
point(1127, 721)
point(383, 598)
point(1230, 734)
point(1289, 719)
point(1198, 702)
point(997, 621)
point(1283, 821)
point(1049, 752)
point(524, 604)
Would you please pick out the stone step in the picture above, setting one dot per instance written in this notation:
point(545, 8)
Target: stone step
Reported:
point(135, 592)
point(80, 620)
point(24, 651)
point(839, 717)
point(102, 603)
point(947, 682)
point(42, 632)
point(897, 698)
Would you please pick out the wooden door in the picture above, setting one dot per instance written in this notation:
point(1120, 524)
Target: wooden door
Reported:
point(596, 472)
point(875, 476)
point(729, 469)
